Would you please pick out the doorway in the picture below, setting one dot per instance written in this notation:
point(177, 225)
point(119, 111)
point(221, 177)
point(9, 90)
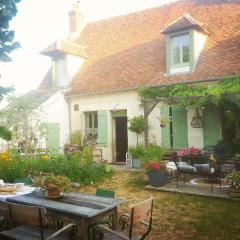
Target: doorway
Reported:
point(121, 139)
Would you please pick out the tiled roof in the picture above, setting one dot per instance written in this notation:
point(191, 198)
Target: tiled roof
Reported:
point(127, 52)
point(182, 23)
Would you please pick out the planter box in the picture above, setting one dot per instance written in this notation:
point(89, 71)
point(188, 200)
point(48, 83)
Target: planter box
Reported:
point(158, 179)
point(234, 192)
point(136, 163)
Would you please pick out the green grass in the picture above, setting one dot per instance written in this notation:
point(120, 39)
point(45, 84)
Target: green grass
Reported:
point(179, 216)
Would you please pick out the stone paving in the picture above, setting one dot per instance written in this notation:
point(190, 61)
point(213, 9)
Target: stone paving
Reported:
point(195, 186)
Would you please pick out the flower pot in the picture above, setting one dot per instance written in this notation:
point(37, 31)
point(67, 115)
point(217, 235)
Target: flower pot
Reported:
point(54, 193)
point(53, 190)
point(136, 163)
point(234, 192)
point(157, 178)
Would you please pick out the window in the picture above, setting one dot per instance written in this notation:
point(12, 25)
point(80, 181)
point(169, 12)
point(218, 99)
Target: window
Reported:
point(180, 53)
point(91, 120)
point(76, 107)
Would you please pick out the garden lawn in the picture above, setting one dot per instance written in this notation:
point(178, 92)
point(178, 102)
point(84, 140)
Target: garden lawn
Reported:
point(177, 216)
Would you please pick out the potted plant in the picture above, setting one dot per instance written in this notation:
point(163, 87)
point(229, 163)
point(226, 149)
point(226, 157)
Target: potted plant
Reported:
point(136, 125)
point(54, 186)
point(233, 179)
point(156, 173)
point(137, 154)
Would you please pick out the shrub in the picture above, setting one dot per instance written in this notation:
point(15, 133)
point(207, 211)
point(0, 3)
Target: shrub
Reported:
point(78, 167)
point(136, 125)
point(137, 152)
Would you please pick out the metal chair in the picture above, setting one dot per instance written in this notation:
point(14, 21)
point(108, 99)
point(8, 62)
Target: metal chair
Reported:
point(138, 213)
point(101, 192)
point(35, 223)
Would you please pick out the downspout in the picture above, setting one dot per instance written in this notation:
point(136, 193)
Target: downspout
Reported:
point(69, 114)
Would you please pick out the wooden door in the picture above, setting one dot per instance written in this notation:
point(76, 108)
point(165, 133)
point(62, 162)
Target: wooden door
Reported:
point(121, 139)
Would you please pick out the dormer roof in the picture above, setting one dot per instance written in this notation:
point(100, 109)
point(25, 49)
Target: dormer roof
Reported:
point(185, 22)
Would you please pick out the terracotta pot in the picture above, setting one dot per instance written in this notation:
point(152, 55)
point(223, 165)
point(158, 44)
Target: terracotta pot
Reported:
point(234, 192)
point(53, 190)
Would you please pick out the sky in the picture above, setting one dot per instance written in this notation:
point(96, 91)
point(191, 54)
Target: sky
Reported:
point(40, 22)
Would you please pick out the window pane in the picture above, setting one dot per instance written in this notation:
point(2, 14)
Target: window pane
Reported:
point(176, 55)
point(95, 120)
point(176, 44)
point(185, 54)
point(90, 120)
point(180, 49)
point(185, 48)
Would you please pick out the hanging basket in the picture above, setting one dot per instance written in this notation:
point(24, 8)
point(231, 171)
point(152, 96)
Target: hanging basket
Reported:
point(197, 120)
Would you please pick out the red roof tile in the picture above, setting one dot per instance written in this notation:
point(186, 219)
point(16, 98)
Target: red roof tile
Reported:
point(184, 22)
point(129, 51)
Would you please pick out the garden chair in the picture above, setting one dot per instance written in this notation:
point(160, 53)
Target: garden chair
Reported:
point(35, 223)
point(201, 165)
point(26, 181)
point(101, 192)
point(4, 214)
point(138, 213)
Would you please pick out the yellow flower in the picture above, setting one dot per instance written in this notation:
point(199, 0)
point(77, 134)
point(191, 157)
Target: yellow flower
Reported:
point(5, 156)
point(45, 157)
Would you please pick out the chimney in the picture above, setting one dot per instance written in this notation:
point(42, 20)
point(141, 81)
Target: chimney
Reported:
point(76, 20)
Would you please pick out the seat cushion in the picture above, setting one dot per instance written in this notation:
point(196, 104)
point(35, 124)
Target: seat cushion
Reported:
point(204, 169)
point(25, 232)
point(186, 168)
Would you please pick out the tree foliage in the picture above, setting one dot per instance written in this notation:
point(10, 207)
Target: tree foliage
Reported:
point(195, 95)
point(8, 10)
point(23, 119)
point(136, 125)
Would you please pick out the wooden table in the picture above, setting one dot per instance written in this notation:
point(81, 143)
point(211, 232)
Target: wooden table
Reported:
point(78, 208)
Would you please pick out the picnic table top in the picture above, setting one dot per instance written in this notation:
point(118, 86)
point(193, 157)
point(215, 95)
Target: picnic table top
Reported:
point(77, 204)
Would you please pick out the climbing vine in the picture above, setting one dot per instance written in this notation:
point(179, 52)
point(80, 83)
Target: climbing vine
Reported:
point(195, 95)
point(190, 95)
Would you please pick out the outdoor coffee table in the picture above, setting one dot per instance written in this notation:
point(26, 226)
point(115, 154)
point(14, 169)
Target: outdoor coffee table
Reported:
point(78, 208)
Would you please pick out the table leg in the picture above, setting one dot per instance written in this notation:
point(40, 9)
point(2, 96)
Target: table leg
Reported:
point(83, 230)
point(114, 218)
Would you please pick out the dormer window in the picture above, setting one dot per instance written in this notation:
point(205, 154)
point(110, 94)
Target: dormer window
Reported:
point(184, 42)
point(180, 50)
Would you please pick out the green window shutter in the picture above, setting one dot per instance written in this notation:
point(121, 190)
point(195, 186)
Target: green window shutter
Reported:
point(52, 137)
point(211, 125)
point(102, 128)
point(165, 131)
point(180, 128)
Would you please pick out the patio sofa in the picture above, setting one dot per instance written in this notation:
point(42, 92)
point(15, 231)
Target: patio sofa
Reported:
point(203, 164)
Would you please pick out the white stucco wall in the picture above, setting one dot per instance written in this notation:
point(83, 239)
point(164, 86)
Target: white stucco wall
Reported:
point(195, 135)
point(199, 42)
point(128, 100)
point(55, 110)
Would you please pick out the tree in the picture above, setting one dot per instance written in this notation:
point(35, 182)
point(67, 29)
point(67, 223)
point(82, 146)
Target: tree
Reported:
point(22, 116)
point(8, 10)
point(136, 125)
